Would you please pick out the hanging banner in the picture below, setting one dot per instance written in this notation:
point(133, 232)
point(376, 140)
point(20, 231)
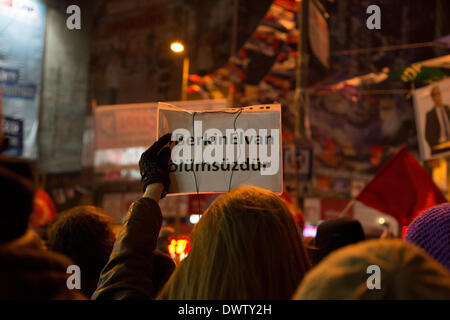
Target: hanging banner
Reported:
point(125, 126)
point(319, 37)
point(219, 150)
point(134, 125)
point(431, 105)
point(22, 29)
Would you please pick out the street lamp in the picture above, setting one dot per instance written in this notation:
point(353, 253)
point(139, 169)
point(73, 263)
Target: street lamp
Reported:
point(178, 48)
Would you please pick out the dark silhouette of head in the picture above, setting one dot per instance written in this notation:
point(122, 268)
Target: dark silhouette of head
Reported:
point(34, 274)
point(85, 234)
point(16, 206)
point(336, 233)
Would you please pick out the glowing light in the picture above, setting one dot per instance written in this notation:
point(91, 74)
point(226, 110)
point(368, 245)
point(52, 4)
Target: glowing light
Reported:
point(194, 218)
point(177, 47)
point(172, 246)
point(381, 220)
point(179, 247)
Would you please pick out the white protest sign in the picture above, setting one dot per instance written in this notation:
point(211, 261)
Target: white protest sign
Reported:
point(218, 150)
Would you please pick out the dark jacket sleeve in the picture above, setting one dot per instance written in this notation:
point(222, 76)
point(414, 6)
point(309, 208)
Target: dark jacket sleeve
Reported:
point(432, 128)
point(128, 273)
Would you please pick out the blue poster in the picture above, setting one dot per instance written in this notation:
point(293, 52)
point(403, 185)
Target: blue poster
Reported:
point(22, 32)
point(13, 131)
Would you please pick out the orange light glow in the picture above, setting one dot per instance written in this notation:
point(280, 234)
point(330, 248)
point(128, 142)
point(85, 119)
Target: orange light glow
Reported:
point(177, 47)
point(179, 246)
point(171, 247)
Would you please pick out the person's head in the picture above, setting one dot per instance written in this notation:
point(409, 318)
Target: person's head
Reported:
point(34, 274)
point(436, 96)
point(431, 231)
point(16, 205)
point(165, 234)
point(336, 233)
point(381, 269)
point(247, 245)
point(85, 235)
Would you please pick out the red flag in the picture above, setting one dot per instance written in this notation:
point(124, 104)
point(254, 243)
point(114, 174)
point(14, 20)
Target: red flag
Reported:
point(401, 188)
point(44, 209)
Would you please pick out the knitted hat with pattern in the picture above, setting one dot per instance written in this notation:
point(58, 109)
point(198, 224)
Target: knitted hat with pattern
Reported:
point(431, 231)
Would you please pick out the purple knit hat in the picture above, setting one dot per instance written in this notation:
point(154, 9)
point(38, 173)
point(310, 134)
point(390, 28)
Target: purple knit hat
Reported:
point(431, 231)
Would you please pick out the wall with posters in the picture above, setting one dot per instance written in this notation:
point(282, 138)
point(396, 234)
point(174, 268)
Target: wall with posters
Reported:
point(354, 135)
point(64, 89)
point(355, 129)
point(43, 74)
point(22, 30)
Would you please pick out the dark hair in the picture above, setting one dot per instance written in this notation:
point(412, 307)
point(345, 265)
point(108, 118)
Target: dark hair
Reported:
point(34, 274)
point(311, 250)
point(85, 235)
point(336, 233)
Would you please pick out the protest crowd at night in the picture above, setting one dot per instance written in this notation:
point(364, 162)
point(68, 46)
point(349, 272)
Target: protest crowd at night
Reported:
point(241, 150)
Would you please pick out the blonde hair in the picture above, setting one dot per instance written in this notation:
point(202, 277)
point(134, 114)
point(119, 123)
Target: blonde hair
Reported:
point(247, 245)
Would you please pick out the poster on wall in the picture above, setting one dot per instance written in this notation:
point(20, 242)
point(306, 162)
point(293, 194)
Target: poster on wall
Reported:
point(353, 135)
point(432, 111)
point(22, 31)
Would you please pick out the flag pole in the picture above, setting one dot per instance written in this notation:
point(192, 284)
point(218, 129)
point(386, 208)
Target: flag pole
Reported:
point(347, 208)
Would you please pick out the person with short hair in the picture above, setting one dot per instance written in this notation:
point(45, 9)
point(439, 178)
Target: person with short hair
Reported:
point(84, 234)
point(334, 234)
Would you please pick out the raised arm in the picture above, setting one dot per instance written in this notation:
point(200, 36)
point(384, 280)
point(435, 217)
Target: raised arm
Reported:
point(129, 271)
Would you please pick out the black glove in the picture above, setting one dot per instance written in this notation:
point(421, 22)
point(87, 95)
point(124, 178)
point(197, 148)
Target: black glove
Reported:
point(154, 164)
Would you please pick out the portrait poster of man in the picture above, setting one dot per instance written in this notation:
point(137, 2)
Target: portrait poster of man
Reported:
point(432, 110)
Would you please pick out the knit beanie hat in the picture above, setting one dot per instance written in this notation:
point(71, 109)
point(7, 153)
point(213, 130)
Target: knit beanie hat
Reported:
point(405, 272)
point(431, 231)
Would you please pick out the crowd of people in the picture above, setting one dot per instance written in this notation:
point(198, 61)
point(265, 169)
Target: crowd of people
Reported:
point(247, 245)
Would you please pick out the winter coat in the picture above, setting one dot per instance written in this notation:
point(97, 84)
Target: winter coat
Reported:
point(134, 270)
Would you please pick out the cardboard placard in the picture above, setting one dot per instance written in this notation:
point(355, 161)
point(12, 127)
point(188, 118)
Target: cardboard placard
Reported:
point(221, 149)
